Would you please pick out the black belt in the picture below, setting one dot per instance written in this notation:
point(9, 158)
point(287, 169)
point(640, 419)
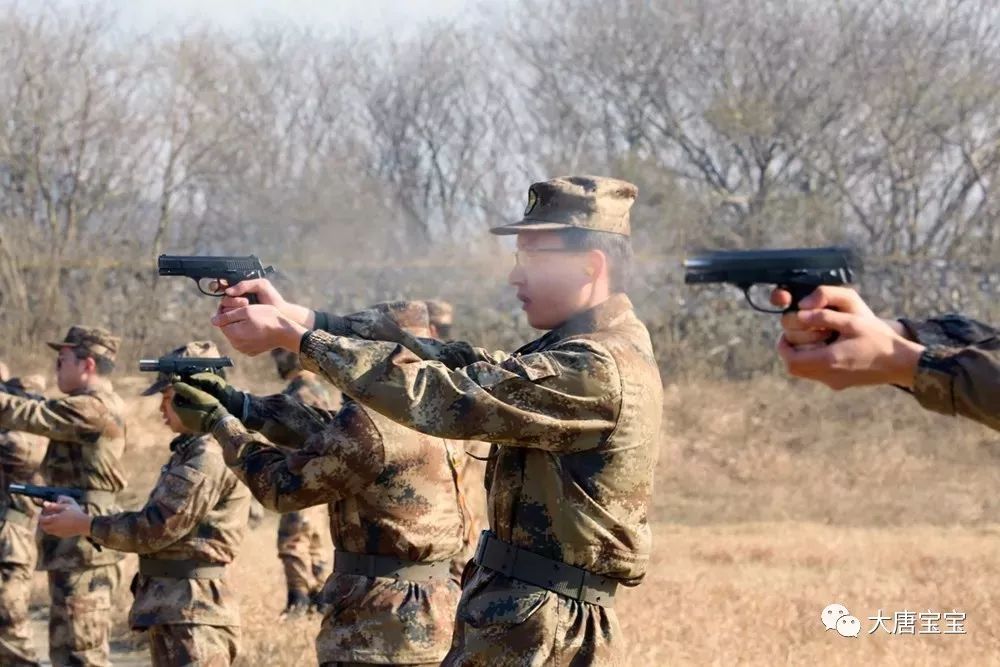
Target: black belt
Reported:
point(15, 517)
point(373, 565)
point(180, 569)
point(566, 580)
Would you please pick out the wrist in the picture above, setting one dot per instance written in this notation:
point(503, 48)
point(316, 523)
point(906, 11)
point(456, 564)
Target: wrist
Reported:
point(298, 314)
point(905, 360)
point(291, 335)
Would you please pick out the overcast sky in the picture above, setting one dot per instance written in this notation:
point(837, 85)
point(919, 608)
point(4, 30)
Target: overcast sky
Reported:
point(364, 16)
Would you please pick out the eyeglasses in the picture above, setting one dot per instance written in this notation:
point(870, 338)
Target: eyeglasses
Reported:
point(523, 257)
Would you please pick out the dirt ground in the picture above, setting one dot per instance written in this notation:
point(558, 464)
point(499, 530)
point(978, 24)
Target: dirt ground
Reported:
point(773, 500)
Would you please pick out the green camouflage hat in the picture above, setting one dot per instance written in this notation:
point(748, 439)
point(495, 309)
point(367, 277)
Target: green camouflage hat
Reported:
point(95, 340)
point(197, 349)
point(584, 202)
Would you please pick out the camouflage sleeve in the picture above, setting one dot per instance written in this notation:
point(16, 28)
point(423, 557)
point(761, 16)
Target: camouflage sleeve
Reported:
point(563, 399)
point(284, 420)
point(335, 463)
point(949, 331)
point(71, 419)
point(374, 325)
point(181, 498)
point(961, 381)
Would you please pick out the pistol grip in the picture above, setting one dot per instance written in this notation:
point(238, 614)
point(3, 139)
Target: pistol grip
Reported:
point(798, 293)
point(252, 298)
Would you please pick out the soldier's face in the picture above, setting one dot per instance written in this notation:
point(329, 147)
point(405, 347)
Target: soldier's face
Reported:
point(71, 371)
point(170, 417)
point(553, 283)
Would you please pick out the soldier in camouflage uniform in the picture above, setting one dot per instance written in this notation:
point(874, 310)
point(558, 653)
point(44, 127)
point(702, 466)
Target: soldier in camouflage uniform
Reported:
point(574, 417)
point(189, 530)
point(300, 541)
point(395, 514)
point(20, 457)
point(469, 456)
point(86, 432)
point(950, 364)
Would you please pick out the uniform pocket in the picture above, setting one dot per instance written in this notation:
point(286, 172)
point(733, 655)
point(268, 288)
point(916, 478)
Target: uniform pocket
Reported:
point(491, 598)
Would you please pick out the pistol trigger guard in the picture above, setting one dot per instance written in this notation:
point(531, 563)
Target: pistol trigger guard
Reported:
point(746, 294)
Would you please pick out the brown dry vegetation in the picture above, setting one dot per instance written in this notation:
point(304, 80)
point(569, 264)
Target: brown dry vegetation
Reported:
point(773, 499)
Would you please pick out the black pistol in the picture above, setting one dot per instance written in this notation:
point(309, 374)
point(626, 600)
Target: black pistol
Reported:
point(48, 493)
point(184, 367)
point(797, 270)
point(214, 273)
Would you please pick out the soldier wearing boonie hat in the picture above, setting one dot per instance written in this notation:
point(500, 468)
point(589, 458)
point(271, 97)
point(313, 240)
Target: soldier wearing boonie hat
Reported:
point(574, 415)
point(189, 530)
point(86, 432)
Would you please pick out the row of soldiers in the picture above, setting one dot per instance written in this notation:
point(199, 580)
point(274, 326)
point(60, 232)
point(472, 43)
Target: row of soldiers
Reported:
point(193, 523)
point(573, 418)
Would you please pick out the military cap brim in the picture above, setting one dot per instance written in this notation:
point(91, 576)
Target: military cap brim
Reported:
point(529, 226)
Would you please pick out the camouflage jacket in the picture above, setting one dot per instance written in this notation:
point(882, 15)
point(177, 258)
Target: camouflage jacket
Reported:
point(196, 511)
point(574, 417)
point(86, 432)
point(959, 372)
point(392, 492)
point(20, 456)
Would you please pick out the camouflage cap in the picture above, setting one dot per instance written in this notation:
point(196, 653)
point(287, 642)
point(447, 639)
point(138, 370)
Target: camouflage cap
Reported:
point(95, 340)
point(411, 316)
point(198, 348)
point(286, 361)
point(584, 202)
point(439, 312)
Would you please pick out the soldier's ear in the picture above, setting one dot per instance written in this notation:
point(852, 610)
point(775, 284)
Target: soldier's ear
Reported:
point(597, 263)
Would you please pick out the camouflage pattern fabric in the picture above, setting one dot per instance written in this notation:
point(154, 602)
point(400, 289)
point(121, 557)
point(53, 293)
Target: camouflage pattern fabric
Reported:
point(469, 458)
point(196, 511)
point(959, 372)
point(574, 417)
point(20, 456)
point(300, 542)
point(392, 492)
point(86, 432)
point(16, 647)
point(300, 548)
point(193, 645)
point(80, 614)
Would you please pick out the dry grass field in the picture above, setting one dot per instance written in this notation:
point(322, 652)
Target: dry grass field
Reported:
point(773, 499)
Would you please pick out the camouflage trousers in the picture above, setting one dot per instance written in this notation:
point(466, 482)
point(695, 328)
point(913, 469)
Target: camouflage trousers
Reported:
point(80, 614)
point(16, 649)
point(300, 547)
point(193, 645)
point(502, 622)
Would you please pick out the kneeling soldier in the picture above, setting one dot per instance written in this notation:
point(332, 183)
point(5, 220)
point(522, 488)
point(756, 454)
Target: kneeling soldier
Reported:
point(189, 530)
